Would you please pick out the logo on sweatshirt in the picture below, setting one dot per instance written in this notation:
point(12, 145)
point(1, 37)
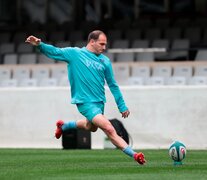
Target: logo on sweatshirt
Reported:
point(94, 64)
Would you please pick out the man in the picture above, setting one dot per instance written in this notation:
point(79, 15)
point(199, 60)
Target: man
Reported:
point(88, 69)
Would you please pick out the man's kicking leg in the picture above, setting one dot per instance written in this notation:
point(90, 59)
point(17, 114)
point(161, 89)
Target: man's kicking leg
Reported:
point(103, 123)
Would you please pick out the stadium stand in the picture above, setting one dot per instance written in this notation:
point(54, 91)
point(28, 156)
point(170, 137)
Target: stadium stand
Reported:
point(183, 40)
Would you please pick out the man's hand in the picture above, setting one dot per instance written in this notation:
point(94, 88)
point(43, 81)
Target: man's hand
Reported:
point(125, 114)
point(33, 40)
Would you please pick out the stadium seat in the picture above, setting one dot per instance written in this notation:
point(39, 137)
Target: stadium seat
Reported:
point(119, 43)
point(179, 49)
point(177, 81)
point(200, 70)
point(20, 73)
point(156, 81)
point(162, 71)
point(28, 83)
point(40, 72)
point(8, 83)
point(144, 56)
point(5, 73)
point(161, 43)
point(47, 82)
point(138, 43)
point(121, 73)
point(125, 57)
point(24, 48)
point(141, 71)
point(42, 59)
point(10, 59)
point(201, 55)
point(6, 48)
point(63, 81)
point(198, 80)
point(59, 72)
point(137, 81)
point(183, 71)
point(29, 58)
point(110, 56)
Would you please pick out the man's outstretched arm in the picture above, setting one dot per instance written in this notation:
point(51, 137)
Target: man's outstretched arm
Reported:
point(50, 51)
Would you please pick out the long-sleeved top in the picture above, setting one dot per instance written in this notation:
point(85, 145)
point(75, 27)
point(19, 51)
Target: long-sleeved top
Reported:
point(87, 73)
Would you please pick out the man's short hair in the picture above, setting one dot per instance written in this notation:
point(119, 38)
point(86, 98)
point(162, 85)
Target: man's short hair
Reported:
point(95, 35)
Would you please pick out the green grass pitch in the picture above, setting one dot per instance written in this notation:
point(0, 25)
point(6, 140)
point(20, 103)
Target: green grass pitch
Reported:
point(98, 164)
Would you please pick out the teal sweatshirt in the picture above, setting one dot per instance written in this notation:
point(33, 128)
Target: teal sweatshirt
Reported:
point(87, 73)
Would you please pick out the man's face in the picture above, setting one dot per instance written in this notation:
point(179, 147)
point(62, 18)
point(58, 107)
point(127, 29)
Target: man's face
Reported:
point(99, 45)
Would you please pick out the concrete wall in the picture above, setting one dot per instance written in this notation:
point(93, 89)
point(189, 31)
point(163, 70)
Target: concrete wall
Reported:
point(159, 115)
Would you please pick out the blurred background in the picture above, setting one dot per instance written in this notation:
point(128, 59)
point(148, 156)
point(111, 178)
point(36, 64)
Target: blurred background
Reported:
point(158, 49)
